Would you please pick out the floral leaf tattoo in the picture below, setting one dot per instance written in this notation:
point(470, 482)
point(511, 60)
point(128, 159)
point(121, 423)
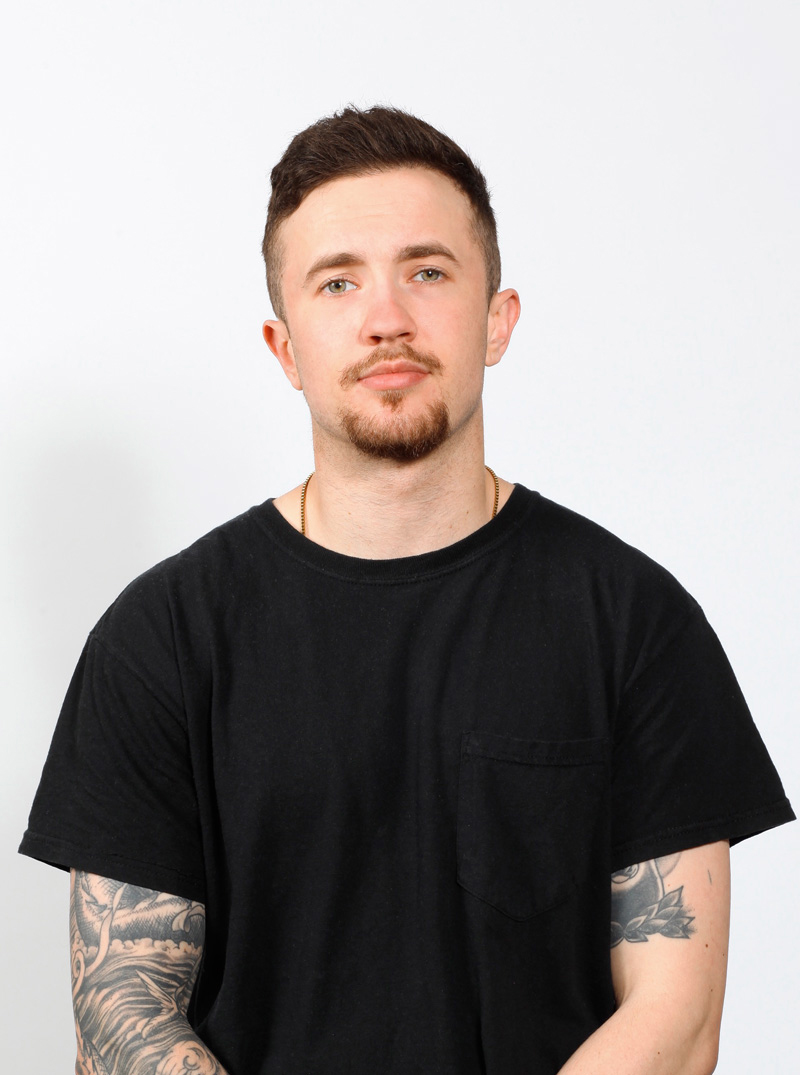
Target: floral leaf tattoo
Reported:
point(641, 906)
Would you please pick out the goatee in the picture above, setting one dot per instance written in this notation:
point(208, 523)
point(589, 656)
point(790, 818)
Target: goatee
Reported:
point(403, 439)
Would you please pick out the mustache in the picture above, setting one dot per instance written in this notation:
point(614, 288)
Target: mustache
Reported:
point(426, 359)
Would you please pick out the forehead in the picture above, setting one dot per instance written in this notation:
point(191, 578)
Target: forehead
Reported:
point(396, 208)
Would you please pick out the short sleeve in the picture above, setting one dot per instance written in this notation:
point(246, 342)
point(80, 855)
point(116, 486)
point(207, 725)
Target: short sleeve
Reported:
point(116, 795)
point(689, 765)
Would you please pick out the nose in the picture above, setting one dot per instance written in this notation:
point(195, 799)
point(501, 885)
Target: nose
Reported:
point(387, 318)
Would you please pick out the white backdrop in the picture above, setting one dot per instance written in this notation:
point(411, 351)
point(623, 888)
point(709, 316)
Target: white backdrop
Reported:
point(644, 162)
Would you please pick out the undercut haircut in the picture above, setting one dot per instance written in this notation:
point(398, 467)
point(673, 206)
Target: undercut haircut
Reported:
point(356, 142)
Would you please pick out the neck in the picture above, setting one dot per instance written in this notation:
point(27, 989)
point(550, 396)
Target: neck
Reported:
point(381, 509)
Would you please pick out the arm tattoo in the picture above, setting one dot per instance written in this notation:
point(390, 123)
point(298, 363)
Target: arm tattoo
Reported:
point(641, 905)
point(135, 959)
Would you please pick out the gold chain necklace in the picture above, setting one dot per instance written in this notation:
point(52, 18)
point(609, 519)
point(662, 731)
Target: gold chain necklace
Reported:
point(495, 479)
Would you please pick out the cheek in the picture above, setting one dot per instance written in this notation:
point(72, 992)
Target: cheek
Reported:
point(319, 378)
point(472, 349)
point(454, 330)
point(325, 341)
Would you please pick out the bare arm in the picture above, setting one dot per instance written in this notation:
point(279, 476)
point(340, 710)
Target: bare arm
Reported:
point(135, 959)
point(669, 939)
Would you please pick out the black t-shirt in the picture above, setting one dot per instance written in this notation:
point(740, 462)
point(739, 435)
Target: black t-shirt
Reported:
point(401, 786)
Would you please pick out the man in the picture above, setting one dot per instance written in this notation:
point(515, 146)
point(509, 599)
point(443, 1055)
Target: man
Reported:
point(395, 751)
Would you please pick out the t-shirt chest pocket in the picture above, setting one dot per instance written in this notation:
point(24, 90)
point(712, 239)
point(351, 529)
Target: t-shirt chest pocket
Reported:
point(529, 812)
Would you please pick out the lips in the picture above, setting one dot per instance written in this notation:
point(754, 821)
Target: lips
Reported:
point(395, 367)
point(395, 374)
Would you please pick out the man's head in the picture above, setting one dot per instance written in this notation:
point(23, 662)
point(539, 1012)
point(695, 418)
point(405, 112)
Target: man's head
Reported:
point(388, 302)
point(353, 143)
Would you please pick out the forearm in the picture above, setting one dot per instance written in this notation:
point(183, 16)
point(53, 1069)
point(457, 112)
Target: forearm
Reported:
point(135, 958)
point(647, 1038)
point(173, 1049)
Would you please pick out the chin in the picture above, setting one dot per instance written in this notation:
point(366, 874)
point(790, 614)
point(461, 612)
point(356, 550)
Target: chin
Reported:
point(401, 437)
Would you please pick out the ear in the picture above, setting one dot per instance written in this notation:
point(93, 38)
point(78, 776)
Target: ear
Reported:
point(504, 310)
point(276, 336)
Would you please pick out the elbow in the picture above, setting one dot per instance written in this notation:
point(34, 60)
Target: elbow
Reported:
point(695, 1039)
point(707, 1062)
point(705, 1051)
point(710, 1058)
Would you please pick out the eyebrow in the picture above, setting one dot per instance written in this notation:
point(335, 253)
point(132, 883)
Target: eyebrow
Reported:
point(348, 259)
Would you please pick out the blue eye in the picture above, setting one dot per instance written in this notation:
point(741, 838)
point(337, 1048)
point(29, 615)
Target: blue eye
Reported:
point(338, 287)
point(430, 276)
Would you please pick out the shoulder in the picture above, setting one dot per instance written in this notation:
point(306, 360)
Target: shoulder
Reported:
point(601, 586)
point(189, 587)
point(578, 549)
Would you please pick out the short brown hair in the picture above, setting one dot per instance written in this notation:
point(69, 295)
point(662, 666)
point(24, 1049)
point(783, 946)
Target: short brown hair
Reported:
point(360, 142)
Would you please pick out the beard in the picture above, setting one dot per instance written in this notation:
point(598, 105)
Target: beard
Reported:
point(402, 438)
point(399, 437)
